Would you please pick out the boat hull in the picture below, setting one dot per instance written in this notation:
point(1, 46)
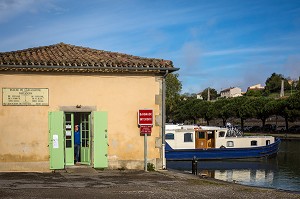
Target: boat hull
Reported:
point(222, 153)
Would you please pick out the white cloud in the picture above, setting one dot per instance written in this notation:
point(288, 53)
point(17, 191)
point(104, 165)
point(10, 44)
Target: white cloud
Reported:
point(244, 50)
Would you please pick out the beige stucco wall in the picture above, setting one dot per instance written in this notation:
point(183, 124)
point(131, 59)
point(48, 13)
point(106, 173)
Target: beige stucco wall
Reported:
point(24, 129)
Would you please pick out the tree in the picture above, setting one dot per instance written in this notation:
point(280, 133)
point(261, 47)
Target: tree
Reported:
point(223, 109)
point(293, 106)
point(298, 85)
point(242, 108)
point(260, 108)
point(273, 83)
point(280, 108)
point(173, 88)
point(204, 109)
point(254, 93)
point(212, 92)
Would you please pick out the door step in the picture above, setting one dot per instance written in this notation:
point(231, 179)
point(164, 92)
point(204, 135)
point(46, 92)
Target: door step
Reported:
point(80, 169)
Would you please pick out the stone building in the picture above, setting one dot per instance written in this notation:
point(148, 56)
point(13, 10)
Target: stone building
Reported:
point(47, 90)
point(231, 92)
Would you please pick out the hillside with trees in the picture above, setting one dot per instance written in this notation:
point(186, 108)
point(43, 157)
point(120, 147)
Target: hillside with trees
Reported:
point(187, 108)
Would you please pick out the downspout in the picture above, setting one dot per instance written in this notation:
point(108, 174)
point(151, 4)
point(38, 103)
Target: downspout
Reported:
point(164, 117)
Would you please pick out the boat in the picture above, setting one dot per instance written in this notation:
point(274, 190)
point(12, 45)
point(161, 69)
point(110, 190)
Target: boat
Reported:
point(187, 142)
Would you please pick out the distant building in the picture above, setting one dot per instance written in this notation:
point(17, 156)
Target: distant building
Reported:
point(231, 92)
point(256, 87)
point(199, 96)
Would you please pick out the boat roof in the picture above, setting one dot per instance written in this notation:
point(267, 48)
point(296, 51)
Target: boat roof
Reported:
point(186, 127)
point(212, 128)
point(180, 126)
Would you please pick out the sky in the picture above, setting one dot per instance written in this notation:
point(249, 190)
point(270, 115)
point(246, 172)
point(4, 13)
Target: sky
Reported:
point(215, 43)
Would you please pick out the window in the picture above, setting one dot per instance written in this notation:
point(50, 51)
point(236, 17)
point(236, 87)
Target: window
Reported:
point(170, 136)
point(188, 137)
point(230, 144)
point(253, 143)
point(68, 130)
point(221, 134)
point(267, 142)
point(201, 135)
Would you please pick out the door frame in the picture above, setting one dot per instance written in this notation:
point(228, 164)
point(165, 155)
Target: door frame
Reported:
point(102, 129)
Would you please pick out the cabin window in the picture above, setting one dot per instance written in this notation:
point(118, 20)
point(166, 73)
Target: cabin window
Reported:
point(221, 134)
point(253, 143)
point(230, 144)
point(201, 135)
point(170, 136)
point(268, 142)
point(188, 137)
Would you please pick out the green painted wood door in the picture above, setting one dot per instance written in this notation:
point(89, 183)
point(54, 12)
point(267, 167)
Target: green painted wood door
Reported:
point(100, 139)
point(56, 139)
point(69, 139)
point(85, 152)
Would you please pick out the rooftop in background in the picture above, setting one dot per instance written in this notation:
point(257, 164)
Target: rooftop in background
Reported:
point(256, 87)
point(70, 58)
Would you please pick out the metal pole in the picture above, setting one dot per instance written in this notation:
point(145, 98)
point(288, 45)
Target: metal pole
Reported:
point(145, 151)
point(164, 119)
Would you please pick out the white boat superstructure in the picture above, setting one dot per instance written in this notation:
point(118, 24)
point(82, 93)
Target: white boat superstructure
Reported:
point(204, 137)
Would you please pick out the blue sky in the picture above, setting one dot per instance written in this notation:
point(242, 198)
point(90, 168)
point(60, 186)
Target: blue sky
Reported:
point(215, 43)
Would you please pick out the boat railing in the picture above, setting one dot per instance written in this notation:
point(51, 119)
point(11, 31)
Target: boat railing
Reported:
point(234, 132)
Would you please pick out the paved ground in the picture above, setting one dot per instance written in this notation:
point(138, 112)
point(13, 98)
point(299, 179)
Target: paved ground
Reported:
point(89, 183)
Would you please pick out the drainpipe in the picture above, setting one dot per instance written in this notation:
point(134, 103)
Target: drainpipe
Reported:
point(164, 117)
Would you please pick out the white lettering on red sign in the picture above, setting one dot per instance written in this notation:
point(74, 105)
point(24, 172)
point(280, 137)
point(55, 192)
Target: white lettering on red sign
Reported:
point(145, 117)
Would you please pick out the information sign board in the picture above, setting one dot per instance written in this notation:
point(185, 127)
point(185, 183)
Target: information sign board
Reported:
point(145, 117)
point(25, 97)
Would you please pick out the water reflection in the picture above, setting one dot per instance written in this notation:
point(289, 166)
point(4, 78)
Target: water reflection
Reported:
point(282, 172)
point(248, 177)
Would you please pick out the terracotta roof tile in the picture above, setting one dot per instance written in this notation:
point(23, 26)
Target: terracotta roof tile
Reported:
point(66, 57)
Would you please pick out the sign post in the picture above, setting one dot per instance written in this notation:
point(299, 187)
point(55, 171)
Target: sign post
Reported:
point(145, 122)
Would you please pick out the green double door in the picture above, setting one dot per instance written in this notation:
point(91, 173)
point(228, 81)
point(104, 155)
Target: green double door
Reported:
point(93, 139)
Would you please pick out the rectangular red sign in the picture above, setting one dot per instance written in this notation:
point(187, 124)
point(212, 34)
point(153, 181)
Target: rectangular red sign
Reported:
point(145, 117)
point(146, 129)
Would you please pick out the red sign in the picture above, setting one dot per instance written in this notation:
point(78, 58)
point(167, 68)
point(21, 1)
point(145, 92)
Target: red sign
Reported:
point(146, 129)
point(145, 117)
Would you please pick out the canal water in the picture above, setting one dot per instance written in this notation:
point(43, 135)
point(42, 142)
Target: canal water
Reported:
point(281, 172)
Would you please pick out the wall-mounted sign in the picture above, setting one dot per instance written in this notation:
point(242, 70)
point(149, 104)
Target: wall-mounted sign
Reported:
point(25, 96)
point(145, 117)
point(146, 129)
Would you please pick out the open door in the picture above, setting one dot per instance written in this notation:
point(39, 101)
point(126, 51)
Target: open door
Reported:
point(100, 139)
point(69, 139)
point(85, 154)
point(56, 139)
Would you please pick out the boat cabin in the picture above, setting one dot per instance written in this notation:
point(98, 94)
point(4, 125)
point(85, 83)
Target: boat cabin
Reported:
point(205, 137)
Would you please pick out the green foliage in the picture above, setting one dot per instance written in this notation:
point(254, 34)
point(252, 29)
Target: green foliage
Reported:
point(212, 92)
point(273, 83)
point(254, 93)
point(298, 85)
point(185, 107)
point(223, 109)
point(260, 108)
point(173, 88)
point(150, 167)
point(205, 110)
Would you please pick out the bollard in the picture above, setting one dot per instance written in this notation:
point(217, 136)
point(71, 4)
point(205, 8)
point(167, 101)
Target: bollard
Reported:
point(194, 166)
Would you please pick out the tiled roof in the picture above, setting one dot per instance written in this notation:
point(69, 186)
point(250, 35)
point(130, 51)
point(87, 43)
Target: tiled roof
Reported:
point(70, 58)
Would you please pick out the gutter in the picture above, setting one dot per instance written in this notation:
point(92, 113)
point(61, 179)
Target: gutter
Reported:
point(82, 68)
point(163, 128)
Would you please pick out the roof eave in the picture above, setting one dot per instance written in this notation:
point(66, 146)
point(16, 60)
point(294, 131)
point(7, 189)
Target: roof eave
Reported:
point(37, 68)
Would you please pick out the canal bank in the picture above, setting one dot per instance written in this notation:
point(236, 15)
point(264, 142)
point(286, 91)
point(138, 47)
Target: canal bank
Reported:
point(90, 183)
